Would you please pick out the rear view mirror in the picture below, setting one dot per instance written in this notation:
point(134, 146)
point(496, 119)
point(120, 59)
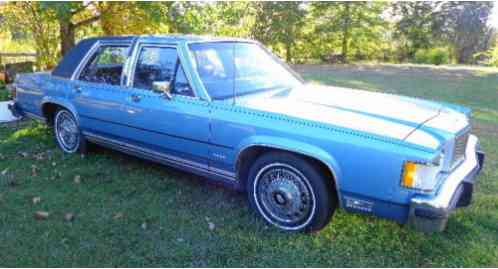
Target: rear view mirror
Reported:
point(163, 87)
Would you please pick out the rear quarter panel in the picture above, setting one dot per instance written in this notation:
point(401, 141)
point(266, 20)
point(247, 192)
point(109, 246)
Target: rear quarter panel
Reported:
point(33, 90)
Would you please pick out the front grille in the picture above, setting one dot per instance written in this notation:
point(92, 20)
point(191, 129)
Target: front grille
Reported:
point(459, 148)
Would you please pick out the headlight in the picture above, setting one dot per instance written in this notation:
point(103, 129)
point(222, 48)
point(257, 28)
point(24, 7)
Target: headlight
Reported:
point(419, 176)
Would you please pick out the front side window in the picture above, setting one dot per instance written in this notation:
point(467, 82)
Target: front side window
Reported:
point(155, 64)
point(229, 69)
point(106, 65)
point(160, 64)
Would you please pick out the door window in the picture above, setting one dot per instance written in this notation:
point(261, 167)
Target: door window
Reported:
point(106, 65)
point(158, 64)
point(154, 64)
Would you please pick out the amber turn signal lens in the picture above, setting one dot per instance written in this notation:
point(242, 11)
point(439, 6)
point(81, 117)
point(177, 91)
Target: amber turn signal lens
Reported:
point(409, 175)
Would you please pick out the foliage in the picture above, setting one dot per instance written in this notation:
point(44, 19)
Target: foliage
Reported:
point(414, 30)
point(4, 94)
point(278, 25)
point(358, 25)
point(38, 24)
point(461, 25)
point(298, 31)
point(489, 57)
point(122, 18)
point(436, 56)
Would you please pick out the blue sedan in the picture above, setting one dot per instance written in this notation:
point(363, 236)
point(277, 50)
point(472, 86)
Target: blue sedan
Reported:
point(229, 110)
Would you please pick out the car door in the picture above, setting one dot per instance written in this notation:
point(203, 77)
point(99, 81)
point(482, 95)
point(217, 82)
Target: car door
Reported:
point(97, 92)
point(175, 127)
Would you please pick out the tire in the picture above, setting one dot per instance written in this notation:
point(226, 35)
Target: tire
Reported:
point(67, 133)
point(277, 178)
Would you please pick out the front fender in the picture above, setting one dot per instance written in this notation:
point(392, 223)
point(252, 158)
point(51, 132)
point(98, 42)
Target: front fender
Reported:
point(291, 145)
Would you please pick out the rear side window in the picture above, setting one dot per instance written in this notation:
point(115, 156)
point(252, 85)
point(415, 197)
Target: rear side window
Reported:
point(106, 65)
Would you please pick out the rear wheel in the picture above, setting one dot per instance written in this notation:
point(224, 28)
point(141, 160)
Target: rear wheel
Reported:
point(67, 132)
point(290, 192)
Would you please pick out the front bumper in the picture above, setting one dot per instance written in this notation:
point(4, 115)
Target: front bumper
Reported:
point(430, 214)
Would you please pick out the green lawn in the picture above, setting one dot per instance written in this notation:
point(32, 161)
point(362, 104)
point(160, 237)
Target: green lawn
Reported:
point(3, 92)
point(130, 212)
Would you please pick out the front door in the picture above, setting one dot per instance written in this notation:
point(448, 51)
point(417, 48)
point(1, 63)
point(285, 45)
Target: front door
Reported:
point(177, 127)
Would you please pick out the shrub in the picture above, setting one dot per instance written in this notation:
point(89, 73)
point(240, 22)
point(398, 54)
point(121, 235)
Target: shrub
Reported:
point(488, 58)
point(435, 56)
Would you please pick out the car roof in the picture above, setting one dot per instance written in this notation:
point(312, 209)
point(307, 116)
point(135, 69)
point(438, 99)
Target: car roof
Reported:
point(71, 60)
point(169, 38)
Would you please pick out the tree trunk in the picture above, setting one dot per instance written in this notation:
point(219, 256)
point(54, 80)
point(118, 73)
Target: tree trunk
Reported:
point(464, 55)
point(288, 52)
point(66, 35)
point(345, 32)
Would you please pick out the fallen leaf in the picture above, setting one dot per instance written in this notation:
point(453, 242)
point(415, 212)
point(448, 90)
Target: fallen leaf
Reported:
point(118, 215)
point(41, 215)
point(69, 216)
point(5, 171)
point(77, 179)
point(34, 170)
point(36, 200)
point(211, 226)
point(40, 156)
point(144, 226)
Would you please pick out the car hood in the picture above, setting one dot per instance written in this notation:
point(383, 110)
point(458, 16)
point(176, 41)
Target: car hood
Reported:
point(377, 113)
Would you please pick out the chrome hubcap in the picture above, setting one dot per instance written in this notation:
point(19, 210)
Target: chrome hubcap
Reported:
point(67, 131)
point(284, 195)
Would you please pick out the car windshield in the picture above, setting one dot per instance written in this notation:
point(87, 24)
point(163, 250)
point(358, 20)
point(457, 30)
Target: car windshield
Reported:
point(229, 69)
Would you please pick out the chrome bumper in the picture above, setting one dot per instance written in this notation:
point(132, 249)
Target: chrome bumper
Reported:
point(430, 214)
point(15, 110)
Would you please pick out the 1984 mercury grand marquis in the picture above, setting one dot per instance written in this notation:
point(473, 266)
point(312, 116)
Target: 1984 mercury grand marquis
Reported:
point(229, 110)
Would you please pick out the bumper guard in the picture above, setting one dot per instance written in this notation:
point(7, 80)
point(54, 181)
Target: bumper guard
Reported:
point(430, 214)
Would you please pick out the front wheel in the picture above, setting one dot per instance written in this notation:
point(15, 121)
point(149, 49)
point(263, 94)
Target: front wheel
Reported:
point(290, 192)
point(67, 133)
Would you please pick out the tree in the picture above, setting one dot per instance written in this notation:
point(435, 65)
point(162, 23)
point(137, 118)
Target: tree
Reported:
point(71, 16)
point(465, 26)
point(38, 24)
point(120, 18)
point(279, 23)
point(417, 25)
point(350, 22)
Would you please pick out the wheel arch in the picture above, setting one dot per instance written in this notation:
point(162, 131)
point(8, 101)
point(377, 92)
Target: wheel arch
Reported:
point(50, 105)
point(249, 152)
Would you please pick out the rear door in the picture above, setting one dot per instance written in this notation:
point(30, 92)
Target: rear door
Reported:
point(97, 91)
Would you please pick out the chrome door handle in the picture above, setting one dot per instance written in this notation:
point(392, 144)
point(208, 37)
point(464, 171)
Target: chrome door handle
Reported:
point(136, 98)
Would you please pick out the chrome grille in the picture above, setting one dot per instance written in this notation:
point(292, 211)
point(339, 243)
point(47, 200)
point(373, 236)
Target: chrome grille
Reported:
point(459, 148)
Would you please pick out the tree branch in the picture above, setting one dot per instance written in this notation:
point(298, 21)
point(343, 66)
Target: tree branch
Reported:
point(81, 8)
point(87, 21)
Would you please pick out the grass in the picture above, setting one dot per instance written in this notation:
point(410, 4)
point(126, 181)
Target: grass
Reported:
point(130, 212)
point(4, 94)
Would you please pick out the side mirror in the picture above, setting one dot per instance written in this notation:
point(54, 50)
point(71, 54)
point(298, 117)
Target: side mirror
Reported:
point(163, 87)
